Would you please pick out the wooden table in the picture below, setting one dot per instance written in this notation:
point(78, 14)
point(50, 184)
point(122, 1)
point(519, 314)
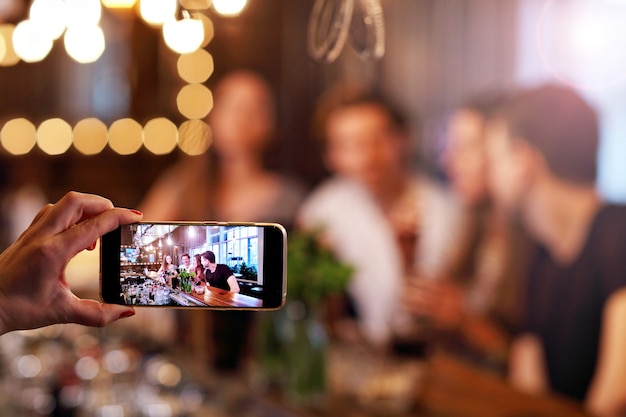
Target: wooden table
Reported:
point(216, 297)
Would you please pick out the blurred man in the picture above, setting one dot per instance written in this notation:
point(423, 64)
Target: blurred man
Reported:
point(542, 153)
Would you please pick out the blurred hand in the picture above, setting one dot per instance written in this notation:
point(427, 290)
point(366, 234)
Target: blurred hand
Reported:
point(33, 288)
point(440, 301)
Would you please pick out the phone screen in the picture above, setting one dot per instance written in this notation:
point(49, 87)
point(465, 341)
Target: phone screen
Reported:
point(195, 265)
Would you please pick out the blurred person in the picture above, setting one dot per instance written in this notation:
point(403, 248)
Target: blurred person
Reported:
point(368, 210)
point(39, 295)
point(466, 299)
point(542, 152)
point(218, 275)
point(237, 186)
point(230, 182)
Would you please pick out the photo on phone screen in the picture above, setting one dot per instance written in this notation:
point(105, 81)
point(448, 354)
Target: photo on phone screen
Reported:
point(205, 265)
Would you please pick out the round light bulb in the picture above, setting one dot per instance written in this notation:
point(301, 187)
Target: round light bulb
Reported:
point(157, 12)
point(229, 7)
point(84, 44)
point(49, 16)
point(183, 36)
point(30, 43)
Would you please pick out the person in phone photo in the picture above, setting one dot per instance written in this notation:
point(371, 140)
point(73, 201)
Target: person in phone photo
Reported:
point(168, 271)
point(39, 295)
point(218, 275)
point(186, 263)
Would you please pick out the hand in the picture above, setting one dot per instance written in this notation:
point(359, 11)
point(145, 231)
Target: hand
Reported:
point(441, 301)
point(33, 287)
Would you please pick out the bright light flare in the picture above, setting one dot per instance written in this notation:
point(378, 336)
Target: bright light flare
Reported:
point(30, 43)
point(49, 16)
point(84, 44)
point(580, 41)
point(229, 8)
point(183, 36)
point(83, 12)
point(157, 12)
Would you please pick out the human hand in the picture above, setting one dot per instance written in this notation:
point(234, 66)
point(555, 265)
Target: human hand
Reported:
point(440, 301)
point(34, 291)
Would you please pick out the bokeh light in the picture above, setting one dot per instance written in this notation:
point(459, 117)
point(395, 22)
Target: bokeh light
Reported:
point(119, 4)
point(195, 68)
point(90, 136)
point(194, 137)
point(160, 136)
point(125, 136)
point(30, 43)
point(83, 12)
point(183, 36)
point(9, 57)
point(84, 44)
point(208, 31)
point(157, 12)
point(18, 136)
point(229, 7)
point(195, 4)
point(49, 16)
point(194, 101)
point(54, 136)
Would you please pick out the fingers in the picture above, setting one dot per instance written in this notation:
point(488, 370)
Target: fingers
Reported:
point(96, 314)
point(71, 209)
point(41, 214)
point(84, 234)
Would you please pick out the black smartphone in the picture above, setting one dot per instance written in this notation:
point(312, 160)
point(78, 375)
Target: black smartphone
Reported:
point(212, 265)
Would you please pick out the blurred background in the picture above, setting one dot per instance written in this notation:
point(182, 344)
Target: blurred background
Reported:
point(134, 108)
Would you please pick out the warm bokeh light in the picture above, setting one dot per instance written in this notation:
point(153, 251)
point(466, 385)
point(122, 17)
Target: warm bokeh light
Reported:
point(49, 16)
point(183, 36)
point(18, 136)
point(30, 43)
point(195, 4)
point(90, 136)
point(195, 68)
point(209, 31)
point(54, 136)
point(119, 4)
point(125, 136)
point(83, 12)
point(160, 136)
point(194, 101)
point(229, 7)
point(157, 12)
point(3, 48)
point(84, 44)
point(194, 137)
point(9, 57)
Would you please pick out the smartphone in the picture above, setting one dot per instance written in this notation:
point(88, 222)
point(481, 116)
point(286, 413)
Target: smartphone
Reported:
point(211, 265)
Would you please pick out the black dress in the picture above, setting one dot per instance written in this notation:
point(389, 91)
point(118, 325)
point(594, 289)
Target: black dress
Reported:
point(565, 302)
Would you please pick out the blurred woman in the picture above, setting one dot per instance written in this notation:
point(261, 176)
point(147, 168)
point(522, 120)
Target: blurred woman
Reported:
point(229, 183)
point(466, 301)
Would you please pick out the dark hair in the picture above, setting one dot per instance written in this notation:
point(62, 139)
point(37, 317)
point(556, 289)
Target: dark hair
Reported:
point(561, 125)
point(486, 104)
point(185, 254)
point(210, 256)
point(344, 95)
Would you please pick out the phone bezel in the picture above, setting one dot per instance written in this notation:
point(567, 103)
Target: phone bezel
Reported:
point(274, 265)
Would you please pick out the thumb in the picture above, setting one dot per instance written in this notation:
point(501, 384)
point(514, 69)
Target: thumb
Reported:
point(96, 314)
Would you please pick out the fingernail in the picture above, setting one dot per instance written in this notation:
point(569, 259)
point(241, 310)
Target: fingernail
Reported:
point(127, 314)
point(137, 212)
